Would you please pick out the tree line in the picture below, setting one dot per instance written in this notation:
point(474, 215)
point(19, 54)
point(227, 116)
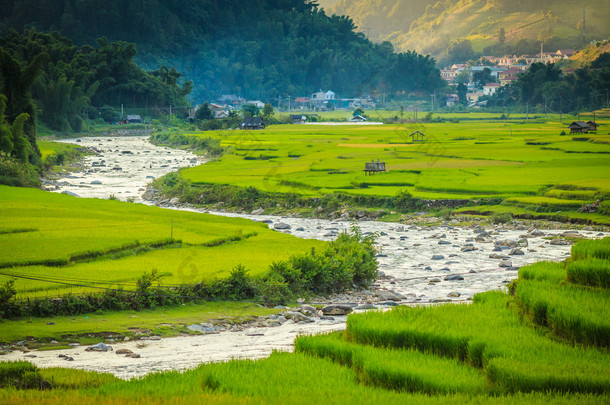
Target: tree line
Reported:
point(261, 49)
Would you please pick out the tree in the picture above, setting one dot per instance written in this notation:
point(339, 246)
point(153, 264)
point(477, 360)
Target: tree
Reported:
point(501, 35)
point(204, 113)
point(461, 92)
point(482, 77)
point(358, 111)
point(460, 51)
point(250, 110)
point(267, 111)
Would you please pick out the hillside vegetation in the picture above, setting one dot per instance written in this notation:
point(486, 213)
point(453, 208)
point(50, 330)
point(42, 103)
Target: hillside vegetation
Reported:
point(431, 26)
point(256, 49)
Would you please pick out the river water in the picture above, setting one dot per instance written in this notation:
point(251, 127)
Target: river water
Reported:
point(418, 262)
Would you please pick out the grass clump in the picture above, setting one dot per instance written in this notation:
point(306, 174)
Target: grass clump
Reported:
point(591, 272)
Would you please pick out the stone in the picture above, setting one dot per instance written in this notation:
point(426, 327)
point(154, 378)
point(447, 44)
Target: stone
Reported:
point(435, 280)
point(300, 229)
point(365, 306)
point(516, 252)
point(506, 263)
point(258, 211)
point(155, 338)
point(444, 242)
point(123, 351)
point(281, 226)
point(133, 356)
point(438, 257)
point(204, 329)
point(454, 294)
point(69, 193)
point(387, 295)
point(96, 182)
point(454, 277)
point(174, 201)
point(523, 243)
point(559, 242)
point(309, 310)
point(536, 232)
point(298, 317)
point(336, 309)
point(389, 303)
point(100, 347)
point(468, 248)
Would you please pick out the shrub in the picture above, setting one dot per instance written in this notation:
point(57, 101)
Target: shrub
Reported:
point(501, 218)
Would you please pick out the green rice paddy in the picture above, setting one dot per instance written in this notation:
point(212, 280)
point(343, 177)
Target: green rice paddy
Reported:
point(527, 162)
point(486, 352)
point(88, 243)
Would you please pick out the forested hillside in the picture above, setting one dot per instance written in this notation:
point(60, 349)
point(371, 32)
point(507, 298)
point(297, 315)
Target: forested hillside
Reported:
point(486, 26)
point(256, 48)
point(71, 79)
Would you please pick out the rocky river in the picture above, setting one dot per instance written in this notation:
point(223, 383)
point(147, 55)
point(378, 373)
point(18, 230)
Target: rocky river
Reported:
point(419, 265)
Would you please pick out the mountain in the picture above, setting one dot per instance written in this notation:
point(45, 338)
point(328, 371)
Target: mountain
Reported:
point(434, 26)
point(263, 49)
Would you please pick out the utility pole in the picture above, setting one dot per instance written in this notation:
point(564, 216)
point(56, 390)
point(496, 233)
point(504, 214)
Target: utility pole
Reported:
point(121, 111)
point(432, 96)
point(527, 111)
point(288, 103)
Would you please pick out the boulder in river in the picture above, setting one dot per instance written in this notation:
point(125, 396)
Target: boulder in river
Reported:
point(297, 317)
point(336, 309)
point(438, 257)
point(454, 277)
point(281, 226)
point(258, 211)
point(516, 252)
point(387, 295)
point(100, 347)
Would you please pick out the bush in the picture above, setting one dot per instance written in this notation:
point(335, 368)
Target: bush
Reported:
point(501, 218)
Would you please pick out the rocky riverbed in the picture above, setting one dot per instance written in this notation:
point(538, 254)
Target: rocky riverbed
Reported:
point(419, 265)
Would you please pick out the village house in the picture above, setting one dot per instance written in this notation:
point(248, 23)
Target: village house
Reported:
point(490, 88)
point(581, 127)
point(509, 75)
point(302, 102)
point(323, 100)
point(451, 100)
point(231, 100)
point(133, 119)
point(257, 103)
point(358, 118)
point(252, 123)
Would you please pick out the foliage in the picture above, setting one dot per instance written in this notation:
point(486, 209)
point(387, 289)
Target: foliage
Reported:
point(83, 82)
point(252, 61)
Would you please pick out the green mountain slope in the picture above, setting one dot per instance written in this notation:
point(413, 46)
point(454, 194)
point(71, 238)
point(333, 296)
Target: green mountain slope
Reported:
point(431, 26)
point(256, 48)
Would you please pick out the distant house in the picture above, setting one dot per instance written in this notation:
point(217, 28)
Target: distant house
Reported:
point(323, 100)
point(215, 107)
point(257, 103)
point(133, 119)
point(231, 99)
point(417, 136)
point(252, 123)
point(298, 118)
point(302, 102)
point(581, 127)
point(592, 126)
point(451, 100)
point(490, 88)
point(358, 118)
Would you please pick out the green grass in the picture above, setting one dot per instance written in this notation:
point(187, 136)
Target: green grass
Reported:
point(490, 335)
point(482, 157)
point(123, 241)
point(79, 328)
point(49, 147)
point(593, 272)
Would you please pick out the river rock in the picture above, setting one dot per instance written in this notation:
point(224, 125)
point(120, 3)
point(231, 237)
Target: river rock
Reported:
point(505, 263)
point(516, 252)
point(204, 329)
point(387, 295)
point(559, 242)
point(123, 351)
point(69, 193)
point(336, 309)
point(444, 242)
point(258, 211)
point(438, 257)
point(174, 201)
point(453, 294)
point(536, 232)
point(100, 347)
point(96, 182)
point(389, 303)
point(435, 280)
point(366, 306)
point(468, 248)
point(281, 226)
point(309, 310)
point(454, 277)
point(297, 317)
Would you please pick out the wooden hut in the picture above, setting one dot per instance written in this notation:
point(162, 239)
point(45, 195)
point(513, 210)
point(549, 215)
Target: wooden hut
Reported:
point(373, 167)
point(417, 136)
